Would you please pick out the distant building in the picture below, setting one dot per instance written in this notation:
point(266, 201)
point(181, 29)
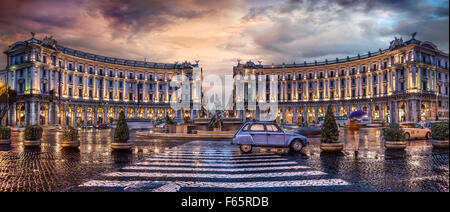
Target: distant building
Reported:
point(394, 85)
point(64, 86)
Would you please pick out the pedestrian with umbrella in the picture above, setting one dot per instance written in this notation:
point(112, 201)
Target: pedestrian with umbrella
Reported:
point(354, 126)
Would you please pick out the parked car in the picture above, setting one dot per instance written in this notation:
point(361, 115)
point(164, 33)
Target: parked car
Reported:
point(428, 124)
point(102, 126)
point(308, 131)
point(414, 130)
point(17, 128)
point(266, 134)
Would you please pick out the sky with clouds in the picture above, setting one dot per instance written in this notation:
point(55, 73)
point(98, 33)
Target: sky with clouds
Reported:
point(219, 32)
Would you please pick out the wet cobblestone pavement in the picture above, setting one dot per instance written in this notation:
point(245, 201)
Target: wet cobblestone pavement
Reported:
point(164, 165)
point(51, 168)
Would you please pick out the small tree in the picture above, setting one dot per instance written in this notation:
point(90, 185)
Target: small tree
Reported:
point(111, 120)
point(121, 134)
point(394, 133)
point(7, 99)
point(439, 131)
point(70, 134)
point(330, 132)
point(5, 133)
point(33, 133)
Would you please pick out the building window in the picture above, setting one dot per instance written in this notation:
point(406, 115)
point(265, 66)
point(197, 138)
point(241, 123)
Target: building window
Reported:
point(70, 91)
point(80, 92)
point(90, 94)
point(130, 96)
point(120, 96)
point(111, 95)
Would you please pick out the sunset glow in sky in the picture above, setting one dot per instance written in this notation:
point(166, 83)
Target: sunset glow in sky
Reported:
point(219, 32)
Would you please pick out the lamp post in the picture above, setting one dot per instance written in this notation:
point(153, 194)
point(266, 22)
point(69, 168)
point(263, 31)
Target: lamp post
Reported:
point(436, 82)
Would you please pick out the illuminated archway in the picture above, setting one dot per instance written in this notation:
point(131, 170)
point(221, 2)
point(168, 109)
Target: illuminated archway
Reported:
point(100, 114)
point(171, 113)
point(342, 111)
point(402, 112)
point(21, 115)
point(69, 116)
point(160, 113)
point(90, 115)
point(386, 113)
point(300, 118)
point(43, 115)
point(110, 115)
point(289, 116)
point(151, 113)
point(311, 115)
point(80, 116)
point(376, 113)
point(141, 113)
point(130, 113)
point(279, 118)
point(425, 112)
point(321, 112)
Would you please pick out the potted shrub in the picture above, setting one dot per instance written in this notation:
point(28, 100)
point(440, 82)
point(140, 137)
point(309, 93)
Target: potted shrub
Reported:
point(439, 135)
point(394, 138)
point(5, 136)
point(33, 135)
point(70, 138)
point(330, 134)
point(121, 134)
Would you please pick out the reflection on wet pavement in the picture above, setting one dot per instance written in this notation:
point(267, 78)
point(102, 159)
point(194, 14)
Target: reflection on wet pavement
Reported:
point(49, 168)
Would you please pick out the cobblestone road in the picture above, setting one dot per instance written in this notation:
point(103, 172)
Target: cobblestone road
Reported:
point(217, 166)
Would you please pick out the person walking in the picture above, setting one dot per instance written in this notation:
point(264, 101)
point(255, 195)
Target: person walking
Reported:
point(353, 128)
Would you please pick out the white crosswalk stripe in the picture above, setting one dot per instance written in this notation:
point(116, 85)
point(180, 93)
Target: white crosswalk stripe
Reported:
point(244, 169)
point(224, 176)
point(216, 160)
point(226, 168)
point(200, 164)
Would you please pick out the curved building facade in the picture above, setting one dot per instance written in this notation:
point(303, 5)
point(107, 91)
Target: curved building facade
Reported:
point(407, 82)
point(64, 86)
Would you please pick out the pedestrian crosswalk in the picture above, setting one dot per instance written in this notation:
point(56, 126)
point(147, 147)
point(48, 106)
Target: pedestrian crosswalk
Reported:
point(214, 168)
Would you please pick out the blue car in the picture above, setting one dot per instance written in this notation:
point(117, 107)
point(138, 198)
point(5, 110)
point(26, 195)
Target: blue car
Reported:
point(267, 134)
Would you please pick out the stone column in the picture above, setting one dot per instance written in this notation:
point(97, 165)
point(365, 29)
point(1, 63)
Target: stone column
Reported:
point(116, 110)
point(65, 115)
point(294, 114)
point(316, 111)
point(85, 115)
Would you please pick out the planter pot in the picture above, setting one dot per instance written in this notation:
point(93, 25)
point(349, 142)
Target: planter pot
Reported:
point(70, 144)
point(332, 147)
point(440, 144)
point(121, 146)
point(395, 145)
point(5, 141)
point(36, 143)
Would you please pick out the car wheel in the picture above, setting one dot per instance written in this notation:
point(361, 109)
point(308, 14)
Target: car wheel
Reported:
point(407, 136)
point(428, 136)
point(296, 146)
point(245, 148)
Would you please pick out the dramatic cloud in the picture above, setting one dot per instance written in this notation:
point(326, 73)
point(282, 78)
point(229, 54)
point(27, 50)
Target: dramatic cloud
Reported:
point(220, 32)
